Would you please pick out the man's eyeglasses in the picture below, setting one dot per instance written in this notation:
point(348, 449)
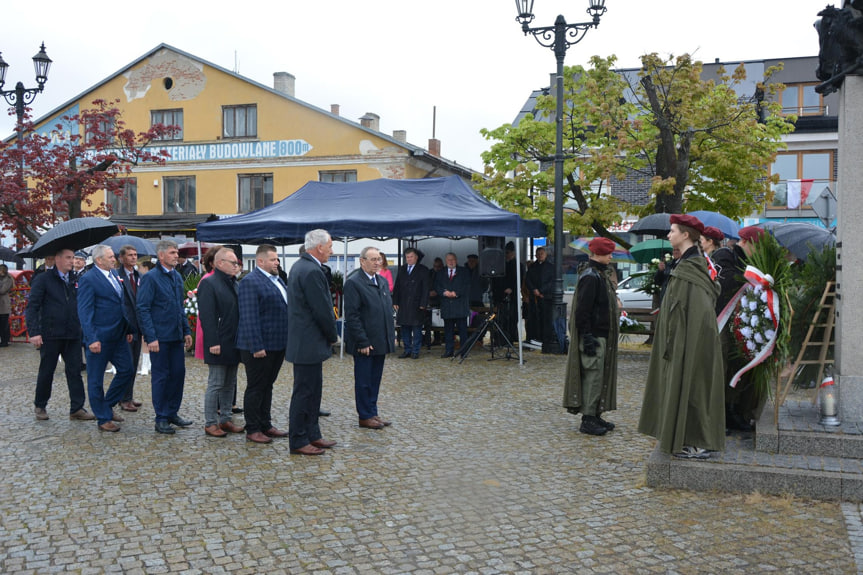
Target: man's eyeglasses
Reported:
point(232, 262)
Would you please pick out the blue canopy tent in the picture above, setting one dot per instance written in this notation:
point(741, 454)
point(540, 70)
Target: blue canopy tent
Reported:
point(436, 207)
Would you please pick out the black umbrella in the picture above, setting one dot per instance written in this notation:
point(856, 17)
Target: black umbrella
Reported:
point(74, 234)
point(800, 238)
point(8, 255)
point(654, 224)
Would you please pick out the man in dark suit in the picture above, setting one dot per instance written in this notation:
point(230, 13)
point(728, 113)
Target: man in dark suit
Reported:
point(311, 335)
point(411, 298)
point(45, 266)
point(167, 333)
point(539, 280)
point(262, 336)
point(106, 335)
point(505, 295)
point(54, 329)
point(219, 314)
point(369, 333)
point(130, 279)
point(453, 286)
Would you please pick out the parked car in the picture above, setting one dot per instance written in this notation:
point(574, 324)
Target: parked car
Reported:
point(631, 296)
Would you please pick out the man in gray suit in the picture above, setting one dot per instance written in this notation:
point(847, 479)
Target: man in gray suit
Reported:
point(369, 333)
point(311, 335)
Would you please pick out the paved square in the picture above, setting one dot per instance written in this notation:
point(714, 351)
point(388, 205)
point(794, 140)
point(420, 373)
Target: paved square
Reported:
point(482, 472)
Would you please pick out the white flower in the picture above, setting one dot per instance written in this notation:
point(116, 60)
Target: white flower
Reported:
point(753, 305)
point(754, 320)
point(744, 317)
point(750, 346)
point(769, 334)
point(758, 338)
point(744, 301)
point(655, 261)
point(764, 297)
point(758, 289)
point(746, 332)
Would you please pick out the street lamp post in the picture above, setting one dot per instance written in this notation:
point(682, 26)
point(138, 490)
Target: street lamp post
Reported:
point(559, 38)
point(21, 97)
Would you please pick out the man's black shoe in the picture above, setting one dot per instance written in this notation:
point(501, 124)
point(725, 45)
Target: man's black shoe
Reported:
point(405, 354)
point(180, 422)
point(606, 424)
point(323, 413)
point(445, 354)
point(591, 426)
point(164, 427)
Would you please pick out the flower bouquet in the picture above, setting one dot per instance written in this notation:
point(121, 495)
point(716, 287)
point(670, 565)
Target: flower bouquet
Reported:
point(760, 316)
point(650, 286)
point(630, 325)
point(190, 307)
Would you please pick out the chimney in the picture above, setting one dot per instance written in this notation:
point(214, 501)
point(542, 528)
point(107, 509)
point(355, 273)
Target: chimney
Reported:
point(434, 147)
point(334, 109)
point(371, 121)
point(284, 83)
point(400, 135)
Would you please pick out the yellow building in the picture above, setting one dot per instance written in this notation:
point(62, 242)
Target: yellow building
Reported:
point(241, 146)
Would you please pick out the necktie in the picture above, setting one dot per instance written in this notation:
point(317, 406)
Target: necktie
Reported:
point(130, 277)
point(451, 273)
point(375, 280)
point(115, 284)
point(65, 278)
point(410, 269)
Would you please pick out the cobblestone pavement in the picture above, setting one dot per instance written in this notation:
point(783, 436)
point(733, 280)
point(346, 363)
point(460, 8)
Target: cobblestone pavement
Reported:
point(482, 472)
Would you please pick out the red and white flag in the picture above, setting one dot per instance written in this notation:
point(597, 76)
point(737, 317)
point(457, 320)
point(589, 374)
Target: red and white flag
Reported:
point(798, 192)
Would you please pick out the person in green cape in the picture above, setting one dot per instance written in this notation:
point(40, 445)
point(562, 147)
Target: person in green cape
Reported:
point(684, 405)
point(590, 387)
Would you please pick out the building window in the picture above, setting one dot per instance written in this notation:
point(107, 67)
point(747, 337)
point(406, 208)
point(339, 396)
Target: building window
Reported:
point(127, 202)
point(240, 121)
point(256, 191)
point(104, 129)
point(168, 118)
point(802, 100)
point(179, 195)
point(815, 165)
point(338, 176)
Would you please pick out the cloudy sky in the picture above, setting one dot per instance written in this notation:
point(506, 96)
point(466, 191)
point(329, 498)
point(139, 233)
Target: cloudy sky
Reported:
point(397, 58)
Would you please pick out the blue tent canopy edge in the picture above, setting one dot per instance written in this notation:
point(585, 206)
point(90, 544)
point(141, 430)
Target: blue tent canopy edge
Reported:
point(439, 207)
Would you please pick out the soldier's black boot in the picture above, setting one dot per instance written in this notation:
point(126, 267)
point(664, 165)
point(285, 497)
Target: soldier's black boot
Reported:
point(590, 425)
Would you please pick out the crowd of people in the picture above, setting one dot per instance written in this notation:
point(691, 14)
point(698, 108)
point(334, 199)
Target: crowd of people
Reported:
point(121, 311)
point(688, 406)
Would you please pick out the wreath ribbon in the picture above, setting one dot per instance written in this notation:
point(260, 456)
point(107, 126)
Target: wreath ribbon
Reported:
point(755, 277)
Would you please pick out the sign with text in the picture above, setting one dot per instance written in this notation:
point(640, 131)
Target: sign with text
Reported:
point(237, 151)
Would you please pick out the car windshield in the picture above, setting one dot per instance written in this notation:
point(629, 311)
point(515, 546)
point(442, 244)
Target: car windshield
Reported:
point(632, 282)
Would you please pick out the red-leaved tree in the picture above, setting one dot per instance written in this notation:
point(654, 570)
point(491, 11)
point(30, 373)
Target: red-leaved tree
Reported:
point(45, 179)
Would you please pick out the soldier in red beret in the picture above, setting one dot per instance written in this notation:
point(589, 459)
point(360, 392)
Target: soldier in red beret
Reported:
point(590, 387)
point(683, 403)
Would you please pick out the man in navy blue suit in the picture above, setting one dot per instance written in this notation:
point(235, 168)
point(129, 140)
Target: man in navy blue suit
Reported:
point(453, 285)
point(369, 334)
point(167, 333)
point(311, 335)
point(54, 329)
point(107, 334)
point(261, 338)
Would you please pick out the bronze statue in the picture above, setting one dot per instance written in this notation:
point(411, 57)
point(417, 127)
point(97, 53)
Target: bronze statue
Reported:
point(840, 36)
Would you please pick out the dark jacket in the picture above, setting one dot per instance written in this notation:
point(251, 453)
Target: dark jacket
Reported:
point(219, 314)
point(101, 309)
point(311, 321)
point(410, 293)
point(730, 278)
point(130, 299)
point(160, 306)
point(540, 275)
point(368, 315)
point(593, 301)
point(52, 310)
point(263, 314)
point(509, 281)
point(459, 306)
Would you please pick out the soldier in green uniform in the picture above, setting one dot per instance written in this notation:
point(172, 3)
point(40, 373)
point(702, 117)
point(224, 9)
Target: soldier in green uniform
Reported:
point(684, 405)
point(591, 369)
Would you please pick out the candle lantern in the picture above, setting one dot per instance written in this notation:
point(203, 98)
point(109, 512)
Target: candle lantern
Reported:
point(828, 400)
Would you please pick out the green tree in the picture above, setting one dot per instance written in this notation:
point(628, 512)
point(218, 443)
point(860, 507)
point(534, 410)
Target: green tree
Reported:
point(694, 141)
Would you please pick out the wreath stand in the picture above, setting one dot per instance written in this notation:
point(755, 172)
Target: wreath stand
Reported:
point(824, 318)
